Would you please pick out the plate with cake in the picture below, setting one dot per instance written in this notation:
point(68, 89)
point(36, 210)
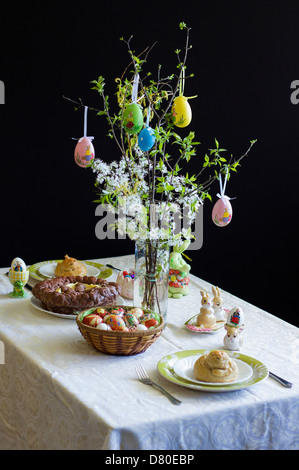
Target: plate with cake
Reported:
point(214, 368)
point(70, 316)
point(68, 267)
point(69, 295)
point(196, 369)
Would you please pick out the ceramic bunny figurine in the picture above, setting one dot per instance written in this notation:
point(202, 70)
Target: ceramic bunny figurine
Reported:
point(233, 339)
point(234, 326)
point(206, 317)
point(219, 311)
point(178, 284)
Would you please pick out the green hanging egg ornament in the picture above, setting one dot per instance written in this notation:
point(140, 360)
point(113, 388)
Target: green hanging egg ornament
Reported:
point(133, 115)
point(133, 118)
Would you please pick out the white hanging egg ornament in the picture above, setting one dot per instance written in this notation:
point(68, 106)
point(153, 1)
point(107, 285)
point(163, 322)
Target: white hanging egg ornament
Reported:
point(133, 118)
point(222, 212)
point(181, 111)
point(146, 139)
point(84, 152)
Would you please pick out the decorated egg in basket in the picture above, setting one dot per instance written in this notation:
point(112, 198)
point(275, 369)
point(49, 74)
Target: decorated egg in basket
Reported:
point(133, 118)
point(222, 212)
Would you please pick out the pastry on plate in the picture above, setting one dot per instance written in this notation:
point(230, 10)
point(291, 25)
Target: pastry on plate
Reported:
point(215, 367)
point(71, 294)
point(70, 267)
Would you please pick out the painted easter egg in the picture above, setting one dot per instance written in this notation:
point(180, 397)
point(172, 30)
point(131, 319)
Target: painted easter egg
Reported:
point(181, 111)
point(116, 323)
point(133, 118)
point(152, 323)
point(18, 271)
point(150, 316)
point(92, 320)
point(84, 152)
point(146, 139)
point(131, 320)
point(117, 311)
point(136, 311)
point(101, 311)
point(235, 317)
point(222, 212)
point(18, 265)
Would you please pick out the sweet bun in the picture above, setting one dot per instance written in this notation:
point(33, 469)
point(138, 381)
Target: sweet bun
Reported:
point(70, 267)
point(215, 367)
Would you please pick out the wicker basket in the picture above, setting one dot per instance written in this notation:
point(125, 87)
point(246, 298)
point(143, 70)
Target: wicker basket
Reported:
point(119, 343)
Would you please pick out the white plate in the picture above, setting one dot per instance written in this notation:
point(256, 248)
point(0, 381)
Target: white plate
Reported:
point(184, 369)
point(166, 364)
point(38, 305)
point(34, 269)
point(48, 270)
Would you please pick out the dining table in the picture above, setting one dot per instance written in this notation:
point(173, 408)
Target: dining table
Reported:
point(59, 393)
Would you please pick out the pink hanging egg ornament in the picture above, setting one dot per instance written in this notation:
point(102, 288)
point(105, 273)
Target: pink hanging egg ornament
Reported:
point(84, 152)
point(222, 212)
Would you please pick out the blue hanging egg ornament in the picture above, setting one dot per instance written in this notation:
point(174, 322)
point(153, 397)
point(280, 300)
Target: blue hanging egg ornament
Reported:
point(146, 139)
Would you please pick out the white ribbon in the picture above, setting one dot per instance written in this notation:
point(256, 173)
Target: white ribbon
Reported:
point(222, 188)
point(148, 116)
point(85, 120)
point(135, 88)
point(85, 127)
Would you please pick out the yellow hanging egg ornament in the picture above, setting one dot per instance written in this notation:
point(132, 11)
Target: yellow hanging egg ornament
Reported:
point(181, 111)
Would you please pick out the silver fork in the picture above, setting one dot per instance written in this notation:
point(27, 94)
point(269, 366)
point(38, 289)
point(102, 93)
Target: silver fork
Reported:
point(143, 377)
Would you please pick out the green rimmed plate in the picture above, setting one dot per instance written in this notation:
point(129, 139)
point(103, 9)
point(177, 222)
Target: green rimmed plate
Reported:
point(49, 266)
point(166, 364)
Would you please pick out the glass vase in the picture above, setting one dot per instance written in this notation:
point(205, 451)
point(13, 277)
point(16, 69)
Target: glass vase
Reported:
point(151, 276)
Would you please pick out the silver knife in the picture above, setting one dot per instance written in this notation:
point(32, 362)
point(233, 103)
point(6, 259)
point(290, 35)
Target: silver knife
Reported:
point(283, 382)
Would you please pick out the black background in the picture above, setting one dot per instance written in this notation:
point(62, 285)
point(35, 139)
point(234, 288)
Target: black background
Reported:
point(244, 57)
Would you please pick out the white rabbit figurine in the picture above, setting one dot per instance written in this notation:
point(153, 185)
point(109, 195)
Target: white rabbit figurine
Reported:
point(233, 339)
point(219, 311)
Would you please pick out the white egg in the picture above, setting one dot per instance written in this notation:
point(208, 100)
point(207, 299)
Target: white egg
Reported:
point(18, 264)
point(141, 327)
point(103, 326)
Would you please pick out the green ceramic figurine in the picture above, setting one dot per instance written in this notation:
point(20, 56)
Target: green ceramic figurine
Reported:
point(178, 284)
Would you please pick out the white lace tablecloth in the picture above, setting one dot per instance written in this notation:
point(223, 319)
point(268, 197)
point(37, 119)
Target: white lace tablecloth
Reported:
point(56, 392)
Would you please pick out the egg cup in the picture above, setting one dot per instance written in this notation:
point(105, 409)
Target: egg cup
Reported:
point(18, 279)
